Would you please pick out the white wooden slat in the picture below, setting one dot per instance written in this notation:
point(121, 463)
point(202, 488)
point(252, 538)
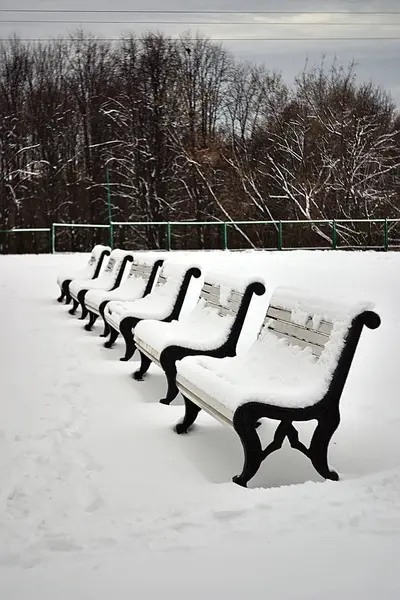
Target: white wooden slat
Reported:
point(141, 271)
point(142, 267)
point(214, 300)
point(202, 399)
point(316, 350)
point(110, 265)
point(212, 297)
point(324, 327)
point(236, 296)
point(223, 310)
point(210, 287)
point(162, 280)
point(298, 332)
point(151, 352)
point(234, 304)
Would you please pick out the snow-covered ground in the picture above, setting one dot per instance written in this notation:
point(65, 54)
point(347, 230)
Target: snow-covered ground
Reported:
point(100, 499)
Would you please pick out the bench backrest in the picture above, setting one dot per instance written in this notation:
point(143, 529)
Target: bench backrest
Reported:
point(95, 262)
point(227, 304)
point(161, 280)
point(115, 267)
point(312, 333)
point(330, 331)
point(172, 285)
point(230, 303)
point(146, 271)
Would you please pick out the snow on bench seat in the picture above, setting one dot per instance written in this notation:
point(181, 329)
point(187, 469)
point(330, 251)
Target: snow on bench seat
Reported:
point(90, 271)
point(110, 279)
point(213, 328)
point(295, 371)
point(163, 303)
point(139, 283)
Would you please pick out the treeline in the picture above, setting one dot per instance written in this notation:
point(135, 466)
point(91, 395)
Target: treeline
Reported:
point(187, 133)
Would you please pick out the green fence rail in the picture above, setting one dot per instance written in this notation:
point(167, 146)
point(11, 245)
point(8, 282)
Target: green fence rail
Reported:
point(337, 228)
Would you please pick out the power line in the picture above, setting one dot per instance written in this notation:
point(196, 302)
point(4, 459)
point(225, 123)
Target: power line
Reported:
point(214, 39)
point(71, 22)
point(204, 12)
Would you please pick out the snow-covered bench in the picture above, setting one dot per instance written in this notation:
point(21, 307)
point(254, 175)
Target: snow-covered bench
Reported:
point(91, 271)
point(295, 371)
point(164, 303)
point(212, 328)
point(110, 279)
point(138, 284)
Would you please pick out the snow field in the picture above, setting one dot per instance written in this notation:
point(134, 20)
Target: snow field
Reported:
point(99, 497)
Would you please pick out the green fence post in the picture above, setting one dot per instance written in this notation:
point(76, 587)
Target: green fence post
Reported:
point(53, 238)
point(112, 236)
point(224, 236)
point(168, 235)
point(280, 235)
point(386, 236)
point(334, 238)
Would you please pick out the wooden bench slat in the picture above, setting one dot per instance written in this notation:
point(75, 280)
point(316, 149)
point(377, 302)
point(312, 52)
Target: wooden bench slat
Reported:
point(141, 270)
point(210, 287)
point(162, 280)
point(233, 304)
point(200, 398)
point(209, 296)
point(213, 298)
point(222, 310)
point(110, 265)
point(236, 296)
point(275, 312)
point(293, 341)
point(298, 332)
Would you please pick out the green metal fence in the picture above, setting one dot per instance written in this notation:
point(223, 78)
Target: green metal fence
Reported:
point(332, 232)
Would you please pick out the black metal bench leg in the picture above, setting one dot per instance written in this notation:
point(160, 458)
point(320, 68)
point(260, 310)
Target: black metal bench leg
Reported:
point(114, 333)
point(145, 363)
point(191, 412)
point(245, 427)
point(65, 292)
point(81, 299)
point(75, 305)
point(130, 346)
point(168, 363)
point(106, 330)
point(318, 452)
point(172, 390)
point(92, 320)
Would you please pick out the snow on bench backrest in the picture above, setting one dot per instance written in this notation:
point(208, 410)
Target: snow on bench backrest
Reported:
point(315, 324)
point(112, 273)
point(139, 269)
point(167, 295)
point(225, 300)
point(93, 266)
point(170, 278)
point(142, 275)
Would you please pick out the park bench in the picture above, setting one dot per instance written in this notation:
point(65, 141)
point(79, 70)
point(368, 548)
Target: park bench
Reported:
point(139, 283)
point(212, 328)
point(90, 271)
point(109, 280)
point(164, 303)
point(295, 371)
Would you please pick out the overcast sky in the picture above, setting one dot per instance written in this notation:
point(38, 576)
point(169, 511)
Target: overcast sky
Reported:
point(377, 60)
